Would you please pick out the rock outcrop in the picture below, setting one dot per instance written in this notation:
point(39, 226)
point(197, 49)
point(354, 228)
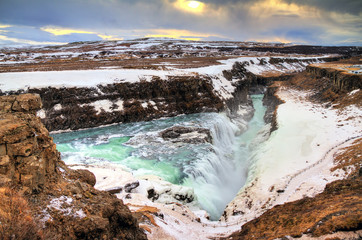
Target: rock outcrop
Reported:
point(28, 155)
point(61, 201)
point(338, 208)
point(75, 108)
point(187, 135)
point(341, 80)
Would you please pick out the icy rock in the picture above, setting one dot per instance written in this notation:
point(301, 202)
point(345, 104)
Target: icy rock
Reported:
point(130, 186)
point(158, 190)
point(187, 135)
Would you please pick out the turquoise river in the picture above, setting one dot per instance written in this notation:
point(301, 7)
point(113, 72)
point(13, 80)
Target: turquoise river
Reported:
point(215, 171)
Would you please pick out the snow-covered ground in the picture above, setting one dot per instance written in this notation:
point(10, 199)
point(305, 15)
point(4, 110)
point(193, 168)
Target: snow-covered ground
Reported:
point(13, 81)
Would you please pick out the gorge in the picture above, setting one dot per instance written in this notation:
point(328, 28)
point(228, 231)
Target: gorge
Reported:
point(176, 141)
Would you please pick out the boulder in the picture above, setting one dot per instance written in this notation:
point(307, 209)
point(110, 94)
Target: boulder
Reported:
point(191, 135)
point(84, 176)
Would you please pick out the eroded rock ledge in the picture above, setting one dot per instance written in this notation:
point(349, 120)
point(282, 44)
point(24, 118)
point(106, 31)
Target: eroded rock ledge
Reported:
point(341, 80)
point(75, 108)
point(56, 202)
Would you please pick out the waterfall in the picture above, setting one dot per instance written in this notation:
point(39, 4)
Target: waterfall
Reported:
point(218, 176)
point(216, 171)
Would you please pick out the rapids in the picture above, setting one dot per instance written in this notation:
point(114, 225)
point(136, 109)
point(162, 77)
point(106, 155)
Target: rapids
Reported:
point(216, 171)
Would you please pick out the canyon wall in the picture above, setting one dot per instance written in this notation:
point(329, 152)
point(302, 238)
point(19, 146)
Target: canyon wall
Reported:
point(75, 108)
point(59, 202)
point(341, 80)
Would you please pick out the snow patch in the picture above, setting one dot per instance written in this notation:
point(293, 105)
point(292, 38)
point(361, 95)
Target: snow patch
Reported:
point(119, 104)
point(57, 107)
point(63, 204)
point(41, 113)
point(353, 92)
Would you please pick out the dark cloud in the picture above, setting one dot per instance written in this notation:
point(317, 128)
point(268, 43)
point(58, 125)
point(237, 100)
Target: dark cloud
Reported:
point(227, 19)
point(353, 7)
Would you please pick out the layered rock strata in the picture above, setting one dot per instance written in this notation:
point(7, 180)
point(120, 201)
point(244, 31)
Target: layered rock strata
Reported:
point(62, 202)
point(341, 80)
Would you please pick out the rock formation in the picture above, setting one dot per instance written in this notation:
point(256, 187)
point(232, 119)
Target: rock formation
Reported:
point(341, 80)
point(62, 202)
point(75, 108)
point(187, 135)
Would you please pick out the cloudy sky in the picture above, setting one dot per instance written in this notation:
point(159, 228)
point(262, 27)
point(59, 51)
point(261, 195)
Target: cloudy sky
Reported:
point(318, 22)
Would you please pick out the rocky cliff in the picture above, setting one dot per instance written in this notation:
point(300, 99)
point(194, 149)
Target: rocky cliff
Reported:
point(60, 203)
point(341, 80)
point(75, 108)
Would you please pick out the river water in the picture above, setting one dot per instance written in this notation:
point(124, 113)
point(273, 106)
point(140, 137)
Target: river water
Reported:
point(216, 171)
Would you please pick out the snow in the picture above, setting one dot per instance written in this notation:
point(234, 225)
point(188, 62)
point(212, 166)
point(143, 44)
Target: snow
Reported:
point(119, 104)
point(74, 78)
point(145, 45)
point(57, 107)
point(41, 113)
point(63, 204)
point(297, 156)
point(353, 92)
point(100, 105)
point(12, 81)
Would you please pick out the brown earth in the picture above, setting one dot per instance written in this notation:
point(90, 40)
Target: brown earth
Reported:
point(117, 62)
point(338, 208)
point(41, 197)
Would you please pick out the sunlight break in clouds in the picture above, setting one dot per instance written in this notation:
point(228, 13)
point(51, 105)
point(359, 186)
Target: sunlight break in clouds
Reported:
point(179, 34)
point(25, 41)
point(63, 31)
point(66, 31)
point(5, 26)
point(195, 7)
point(272, 8)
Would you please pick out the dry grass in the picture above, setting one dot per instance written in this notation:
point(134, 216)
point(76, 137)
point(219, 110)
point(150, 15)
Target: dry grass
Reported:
point(146, 212)
point(118, 61)
point(350, 156)
point(338, 208)
point(16, 221)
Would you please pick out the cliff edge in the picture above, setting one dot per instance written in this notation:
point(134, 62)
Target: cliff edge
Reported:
point(41, 197)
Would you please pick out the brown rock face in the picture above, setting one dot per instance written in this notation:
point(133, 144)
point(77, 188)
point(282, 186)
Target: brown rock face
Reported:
point(338, 208)
point(341, 80)
point(21, 103)
point(28, 153)
point(63, 199)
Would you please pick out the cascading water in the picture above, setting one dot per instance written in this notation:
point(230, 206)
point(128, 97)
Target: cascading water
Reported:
point(215, 171)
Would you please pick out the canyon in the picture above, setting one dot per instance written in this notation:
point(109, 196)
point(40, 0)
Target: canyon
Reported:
point(312, 104)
